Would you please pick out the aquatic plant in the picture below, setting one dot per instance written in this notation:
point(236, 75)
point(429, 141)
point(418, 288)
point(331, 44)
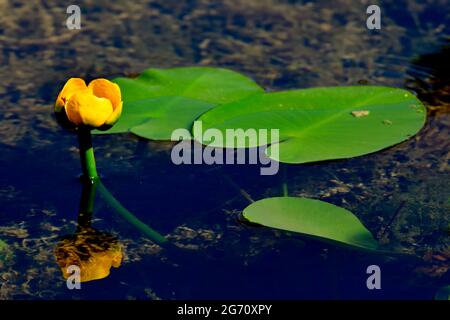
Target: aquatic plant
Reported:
point(6, 253)
point(98, 105)
point(82, 108)
point(315, 124)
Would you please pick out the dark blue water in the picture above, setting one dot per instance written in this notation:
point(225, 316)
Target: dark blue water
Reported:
point(196, 206)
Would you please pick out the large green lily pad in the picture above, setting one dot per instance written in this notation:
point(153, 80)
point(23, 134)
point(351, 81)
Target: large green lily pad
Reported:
point(323, 123)
point(157, 118)
point(313, 218)
point(162, 100)
point(213, 85)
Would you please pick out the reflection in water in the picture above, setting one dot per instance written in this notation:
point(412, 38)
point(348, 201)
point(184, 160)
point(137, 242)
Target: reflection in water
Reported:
point(430, 78)
point(282, 44)
point(93, 251)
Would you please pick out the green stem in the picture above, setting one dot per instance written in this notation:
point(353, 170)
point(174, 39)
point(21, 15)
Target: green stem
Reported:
point(127, 215)
point(90, 171)
point(239, 189)
point(87, 154)
point(87, 203)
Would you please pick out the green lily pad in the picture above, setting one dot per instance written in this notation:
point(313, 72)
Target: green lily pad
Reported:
point(213, 85)
point(323, 123)
point(157, 118)
point(161, 100)
point(313, 218)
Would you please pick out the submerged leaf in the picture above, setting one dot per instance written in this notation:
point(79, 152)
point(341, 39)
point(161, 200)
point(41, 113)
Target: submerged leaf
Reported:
point(443, 293)
point(6, 253)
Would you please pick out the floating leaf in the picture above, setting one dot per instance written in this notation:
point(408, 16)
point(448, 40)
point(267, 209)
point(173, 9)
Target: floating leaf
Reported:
point(157, 118)
point(320, 123)
point(213, 85)
point(161, 100)
point(313, 218)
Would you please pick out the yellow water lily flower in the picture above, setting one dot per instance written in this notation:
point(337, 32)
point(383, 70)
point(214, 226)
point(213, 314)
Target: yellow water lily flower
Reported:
point(94, 252)
point(98, 105)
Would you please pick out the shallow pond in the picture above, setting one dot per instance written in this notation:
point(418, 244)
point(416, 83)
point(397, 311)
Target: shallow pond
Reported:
point(400, 194)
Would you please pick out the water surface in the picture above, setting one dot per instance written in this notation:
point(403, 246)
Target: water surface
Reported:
point(280, 44)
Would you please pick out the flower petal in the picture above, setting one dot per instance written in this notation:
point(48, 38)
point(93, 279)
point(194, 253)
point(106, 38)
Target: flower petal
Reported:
point(73, 110)
point(115, 115)
point(104, 88)
point(72, 86)
point(87, 109)
point(116, 258)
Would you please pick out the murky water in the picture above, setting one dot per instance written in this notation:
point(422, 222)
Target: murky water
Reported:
point(401, 194)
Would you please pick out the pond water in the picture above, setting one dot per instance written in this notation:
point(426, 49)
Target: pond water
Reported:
point(401, 194)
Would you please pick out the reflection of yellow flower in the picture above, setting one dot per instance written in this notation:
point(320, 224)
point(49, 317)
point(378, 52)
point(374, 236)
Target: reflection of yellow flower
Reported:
point(92, 251)
point(98, 105)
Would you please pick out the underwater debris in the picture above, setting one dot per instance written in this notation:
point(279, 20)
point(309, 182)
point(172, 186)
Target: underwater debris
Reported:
point(360, 113)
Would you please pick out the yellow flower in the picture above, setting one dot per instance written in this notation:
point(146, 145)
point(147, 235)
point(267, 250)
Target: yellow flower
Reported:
point(98, 105)
point(94, 252)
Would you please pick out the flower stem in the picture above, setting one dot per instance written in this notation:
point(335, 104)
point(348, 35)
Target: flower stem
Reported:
point(87, 203)
point(90, 172)
point(127, 215)
point(239, 189)
point(87, 154)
